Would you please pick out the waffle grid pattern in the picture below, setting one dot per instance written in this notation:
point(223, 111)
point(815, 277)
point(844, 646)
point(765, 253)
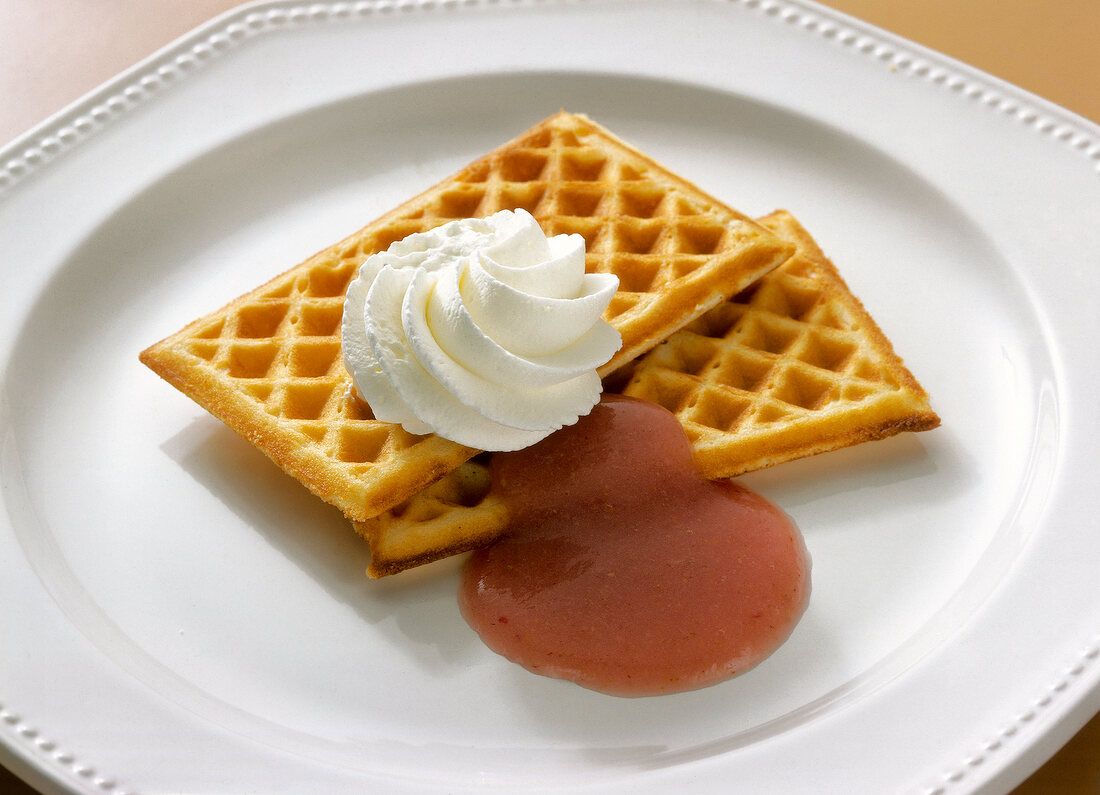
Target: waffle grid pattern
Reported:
point(269, 364)
point(789, 367)
point(455, 514)
point(674, 250)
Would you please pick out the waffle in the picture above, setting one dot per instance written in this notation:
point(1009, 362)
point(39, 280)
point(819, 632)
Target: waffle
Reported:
point(789, 367)
point(269, 365)
point(455, 514)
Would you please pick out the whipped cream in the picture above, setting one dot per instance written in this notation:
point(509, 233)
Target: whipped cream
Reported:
point(483, 331)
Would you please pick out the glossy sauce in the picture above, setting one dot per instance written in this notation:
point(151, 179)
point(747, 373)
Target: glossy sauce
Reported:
point(626, 572)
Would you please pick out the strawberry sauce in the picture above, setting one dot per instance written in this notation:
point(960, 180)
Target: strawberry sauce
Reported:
point(626, 572)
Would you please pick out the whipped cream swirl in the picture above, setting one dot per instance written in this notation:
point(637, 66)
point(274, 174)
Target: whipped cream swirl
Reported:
point(483, 331)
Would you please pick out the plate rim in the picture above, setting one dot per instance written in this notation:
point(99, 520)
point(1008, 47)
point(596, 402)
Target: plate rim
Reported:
point(120, 95)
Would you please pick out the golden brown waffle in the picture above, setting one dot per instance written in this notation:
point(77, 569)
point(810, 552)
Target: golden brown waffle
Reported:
point(455, 514)
point(269, 363)
point(790, 367)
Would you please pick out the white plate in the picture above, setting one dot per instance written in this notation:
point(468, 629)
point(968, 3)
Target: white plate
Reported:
point(180, 616)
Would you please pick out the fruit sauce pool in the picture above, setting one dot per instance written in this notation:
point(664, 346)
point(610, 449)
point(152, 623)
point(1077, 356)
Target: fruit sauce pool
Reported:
point(626, 572)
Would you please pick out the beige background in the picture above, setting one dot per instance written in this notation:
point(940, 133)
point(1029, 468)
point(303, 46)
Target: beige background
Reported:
point(54, 51)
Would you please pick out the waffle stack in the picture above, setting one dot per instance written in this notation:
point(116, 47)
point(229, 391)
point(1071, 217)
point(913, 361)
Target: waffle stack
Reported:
point(744, 330)
point(789, 367)
point(269, 363)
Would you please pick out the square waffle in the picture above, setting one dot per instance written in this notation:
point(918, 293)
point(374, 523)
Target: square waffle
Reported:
point(789, 367)
point(269, 363)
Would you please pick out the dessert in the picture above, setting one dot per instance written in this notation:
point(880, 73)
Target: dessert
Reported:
point(498, 311)
point(269, 363)
point(790, 367)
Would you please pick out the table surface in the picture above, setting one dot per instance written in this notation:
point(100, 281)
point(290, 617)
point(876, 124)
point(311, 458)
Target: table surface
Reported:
point(54, 51)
